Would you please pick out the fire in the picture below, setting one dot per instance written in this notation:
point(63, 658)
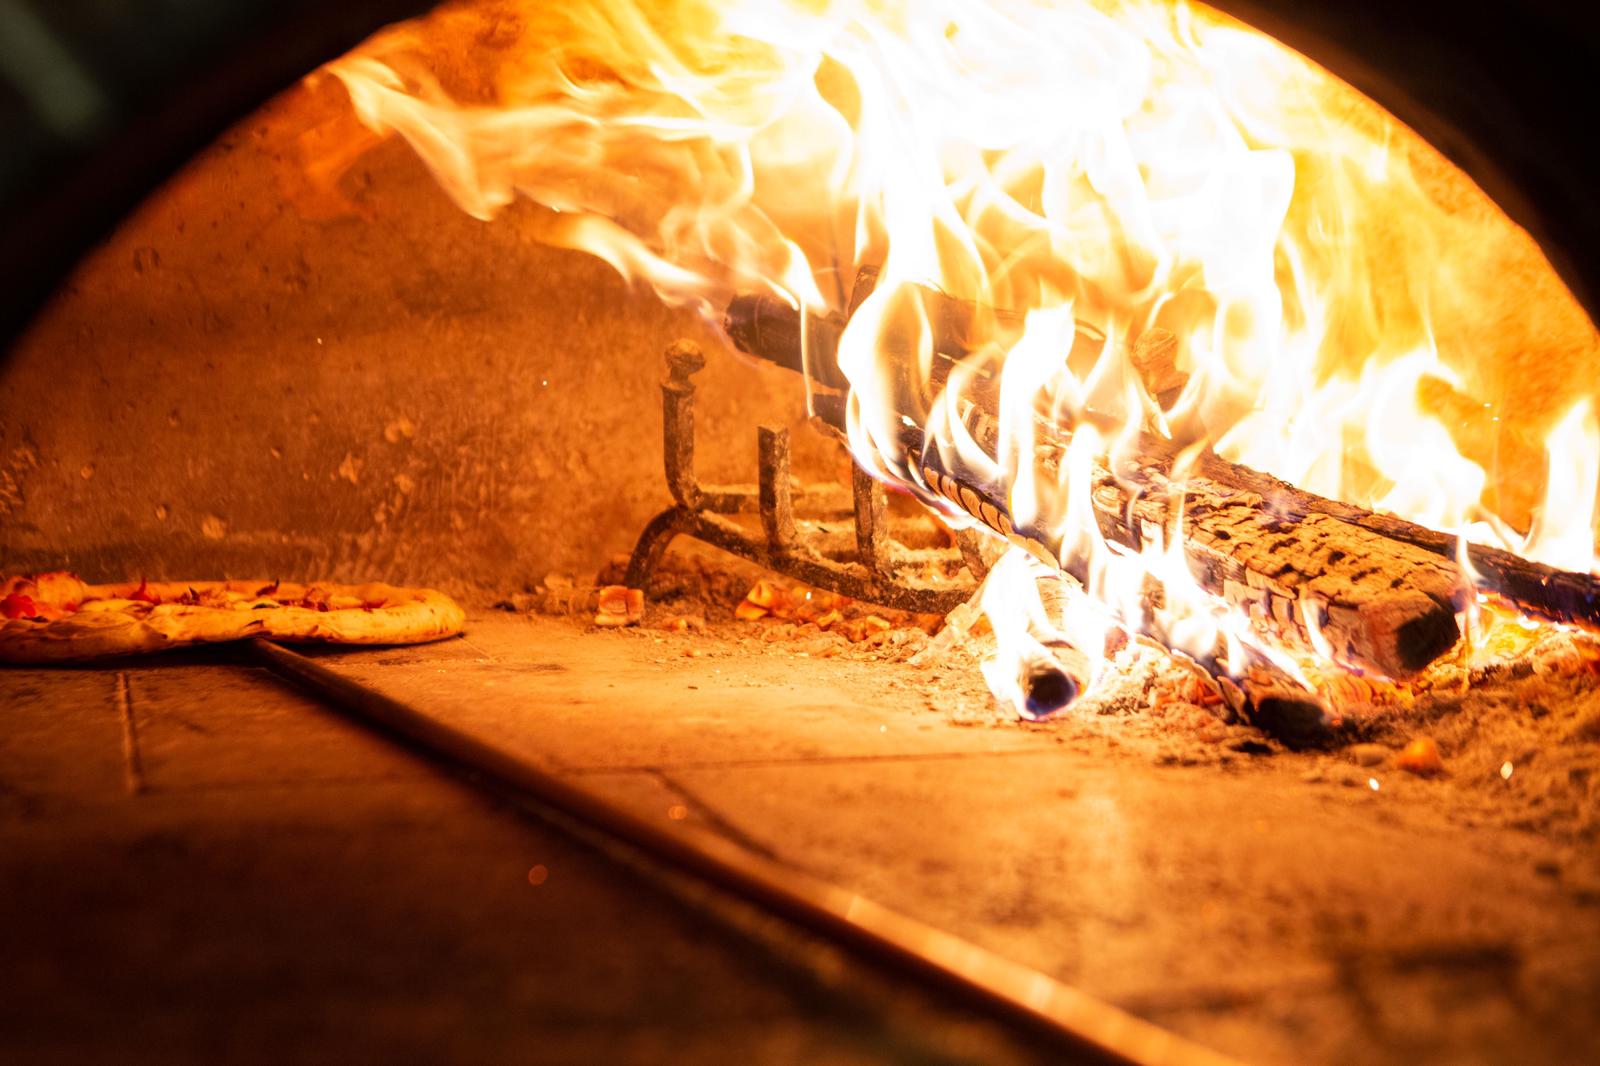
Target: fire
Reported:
point(1562, 533)
point(1125, 164)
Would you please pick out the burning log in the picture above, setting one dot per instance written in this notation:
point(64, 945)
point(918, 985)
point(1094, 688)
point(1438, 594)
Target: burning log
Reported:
point(1051, 681)
point(1155, 357)
point(1260, 692)
point(1536, 589)
point(1053, 673)
point(768, 328)
point(1254, 688)
point(1378, 602)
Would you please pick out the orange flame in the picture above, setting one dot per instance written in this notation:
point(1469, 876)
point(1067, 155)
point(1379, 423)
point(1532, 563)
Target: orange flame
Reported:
point(1125, 163)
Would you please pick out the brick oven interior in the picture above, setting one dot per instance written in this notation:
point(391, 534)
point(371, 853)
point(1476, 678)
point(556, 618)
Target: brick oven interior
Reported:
point(265, 374)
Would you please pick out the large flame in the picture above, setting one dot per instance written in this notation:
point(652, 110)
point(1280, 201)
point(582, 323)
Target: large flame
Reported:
point(1124, 163)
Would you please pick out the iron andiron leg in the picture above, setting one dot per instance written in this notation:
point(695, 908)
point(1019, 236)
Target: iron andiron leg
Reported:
point(703, 512)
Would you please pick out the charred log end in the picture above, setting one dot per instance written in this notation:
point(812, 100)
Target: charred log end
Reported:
point(1408, 631)
point(1297, 720)
point(1398, 634)
point(1414, 622)
point(1272, 702)
point(743, 322)
point(1426, 637)
point(768, 328)
point(1046, 688)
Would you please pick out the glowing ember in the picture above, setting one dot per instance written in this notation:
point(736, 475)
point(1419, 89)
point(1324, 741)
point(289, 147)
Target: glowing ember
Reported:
point(1421, 757)
point(1124, 166)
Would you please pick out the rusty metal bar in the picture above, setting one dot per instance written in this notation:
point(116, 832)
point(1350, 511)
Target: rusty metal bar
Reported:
point(1074, 1021)
point(802, 564)
point(684, 360)
point(652, 545)
point(872, 544)
point(777, 498)
point(699, 512)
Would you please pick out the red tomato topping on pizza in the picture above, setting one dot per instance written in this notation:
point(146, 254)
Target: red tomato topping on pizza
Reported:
point(143, 593)
point(17, 605)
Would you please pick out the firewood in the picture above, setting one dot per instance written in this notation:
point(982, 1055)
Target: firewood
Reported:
point(1051, 680)
point(1536, 589)
point(1381, 604)
point(1055, 672)
point(958, 328)
point(1155, 357)
point(1253, 687)
point(1051, 672)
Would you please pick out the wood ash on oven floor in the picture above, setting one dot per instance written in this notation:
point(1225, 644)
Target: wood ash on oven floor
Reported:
point(1508, 735)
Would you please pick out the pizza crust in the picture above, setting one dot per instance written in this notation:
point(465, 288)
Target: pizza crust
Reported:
point(99, 621)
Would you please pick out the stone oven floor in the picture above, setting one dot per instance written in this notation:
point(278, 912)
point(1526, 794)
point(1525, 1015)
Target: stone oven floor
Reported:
point(197, 864)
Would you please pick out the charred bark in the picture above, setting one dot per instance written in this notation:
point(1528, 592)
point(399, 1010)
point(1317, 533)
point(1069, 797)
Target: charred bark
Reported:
point(1539, 590)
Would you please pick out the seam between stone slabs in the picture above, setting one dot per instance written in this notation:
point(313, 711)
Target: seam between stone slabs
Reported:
point(469, 642)
point(132, 763)
point(714, 818)
point(289, 784)
point(819, 760)
point(1213, 997)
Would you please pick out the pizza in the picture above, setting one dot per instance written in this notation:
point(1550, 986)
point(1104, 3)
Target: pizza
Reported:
point(57, 617)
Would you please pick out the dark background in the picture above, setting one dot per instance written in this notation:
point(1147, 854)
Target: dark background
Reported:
point(100, 100)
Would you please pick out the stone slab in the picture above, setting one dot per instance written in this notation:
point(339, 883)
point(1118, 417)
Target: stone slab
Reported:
point(640, 699)
point(1274, 914)
point(205, 726)
point(61, 738)
point(289, 888)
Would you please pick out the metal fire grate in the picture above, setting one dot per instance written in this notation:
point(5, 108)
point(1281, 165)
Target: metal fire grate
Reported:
point(882, 570)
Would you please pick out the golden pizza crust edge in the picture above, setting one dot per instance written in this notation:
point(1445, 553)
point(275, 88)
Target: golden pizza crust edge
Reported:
point(104, 621)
